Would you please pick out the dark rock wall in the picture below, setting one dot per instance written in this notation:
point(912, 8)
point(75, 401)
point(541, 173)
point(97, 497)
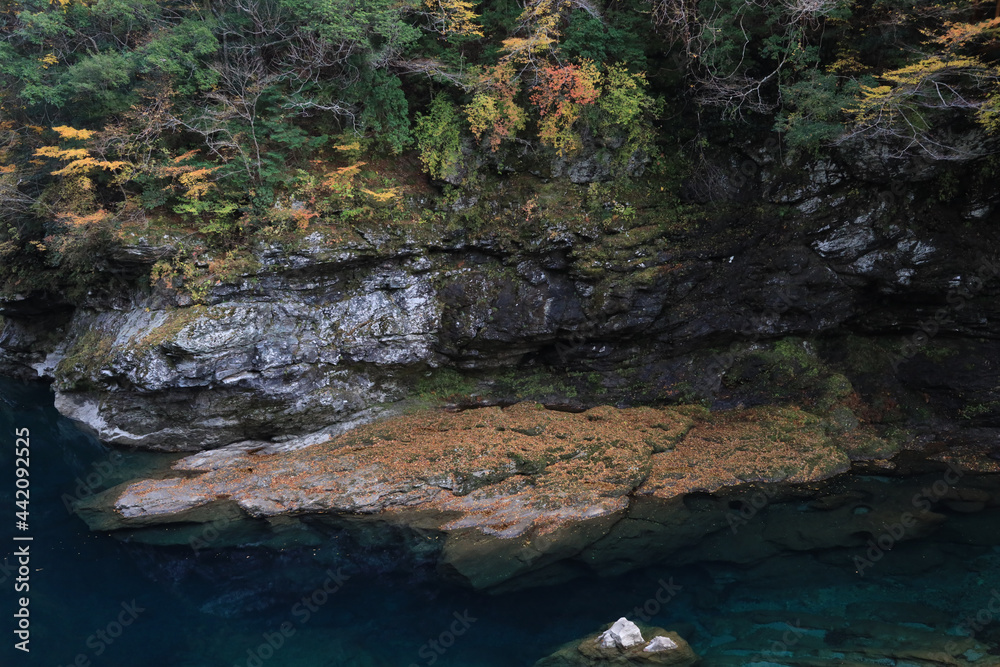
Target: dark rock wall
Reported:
point(875, 267)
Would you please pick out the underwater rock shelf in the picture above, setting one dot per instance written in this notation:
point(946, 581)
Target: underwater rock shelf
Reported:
point(820, 641)
point(503, 498)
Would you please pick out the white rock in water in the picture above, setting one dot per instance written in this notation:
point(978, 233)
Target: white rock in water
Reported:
point(660, 644)
point(623, 634)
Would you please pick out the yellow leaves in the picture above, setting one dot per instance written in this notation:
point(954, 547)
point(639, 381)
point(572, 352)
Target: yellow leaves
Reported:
point(847, 62)
point(81, 167)
point(520, 48)
point(988, 114)
point(344, 148)
point(62, 153)
point(79, 160)
point(915, 73)
point(384, 197)
point(48, 60)
point(454, 17)
point(493, 109)
point(541, 20)
point(8, 169)
point(66, 132)
point(196, 182)
point(908, 101)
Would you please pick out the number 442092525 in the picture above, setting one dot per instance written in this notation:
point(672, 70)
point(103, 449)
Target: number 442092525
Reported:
point(21, 452)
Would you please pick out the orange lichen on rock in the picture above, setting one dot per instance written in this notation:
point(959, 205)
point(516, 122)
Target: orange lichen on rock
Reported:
point(503, 471)
point(757, 445)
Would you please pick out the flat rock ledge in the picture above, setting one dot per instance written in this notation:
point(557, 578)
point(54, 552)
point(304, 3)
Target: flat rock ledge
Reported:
point(556, 481)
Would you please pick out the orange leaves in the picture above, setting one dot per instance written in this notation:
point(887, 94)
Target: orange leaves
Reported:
point(341, 181)
point(195, 180)
point(76, 220)
point(960, 34)
point(185, 156)
point(302, 217)
point(559, 95)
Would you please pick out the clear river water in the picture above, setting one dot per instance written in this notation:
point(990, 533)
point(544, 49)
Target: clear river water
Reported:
point(96, 600)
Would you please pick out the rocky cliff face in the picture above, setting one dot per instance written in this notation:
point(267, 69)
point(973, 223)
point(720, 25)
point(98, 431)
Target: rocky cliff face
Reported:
point(864, 295)
point(623, 311)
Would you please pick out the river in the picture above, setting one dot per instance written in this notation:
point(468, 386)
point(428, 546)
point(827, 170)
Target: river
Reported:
point(97, 600)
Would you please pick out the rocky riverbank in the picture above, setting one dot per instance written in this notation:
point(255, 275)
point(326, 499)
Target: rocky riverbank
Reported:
point(825, 329)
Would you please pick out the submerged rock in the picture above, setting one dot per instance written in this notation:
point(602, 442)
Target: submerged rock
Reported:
point(814, 640)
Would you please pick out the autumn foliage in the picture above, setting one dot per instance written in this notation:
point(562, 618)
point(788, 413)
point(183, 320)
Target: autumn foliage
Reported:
point(494, 113)
point(227, 120)
point(560, 95)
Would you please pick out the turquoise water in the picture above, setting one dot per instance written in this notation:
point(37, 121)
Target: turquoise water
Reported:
point(230, 606)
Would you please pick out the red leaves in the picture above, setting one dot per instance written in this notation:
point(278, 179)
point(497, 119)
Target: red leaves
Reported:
point(559, 93)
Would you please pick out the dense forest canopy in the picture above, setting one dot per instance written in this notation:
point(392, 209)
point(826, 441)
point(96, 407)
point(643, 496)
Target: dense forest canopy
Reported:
point(236, 119)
